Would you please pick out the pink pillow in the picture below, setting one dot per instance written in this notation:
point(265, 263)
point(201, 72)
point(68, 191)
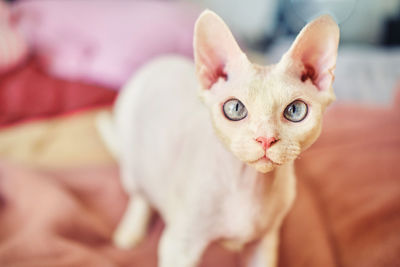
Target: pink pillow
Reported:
point(104, 41)
point(13, 48)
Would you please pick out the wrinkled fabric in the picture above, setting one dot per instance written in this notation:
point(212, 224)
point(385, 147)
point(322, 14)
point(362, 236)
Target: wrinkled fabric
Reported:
point(105, 42)
point(69, 140)
point(29, 93)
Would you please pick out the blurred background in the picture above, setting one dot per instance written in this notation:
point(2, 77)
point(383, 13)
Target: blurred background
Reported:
point(81, 40)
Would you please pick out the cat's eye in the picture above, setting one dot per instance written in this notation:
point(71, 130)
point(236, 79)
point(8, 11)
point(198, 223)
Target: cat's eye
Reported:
point(234, 110)
point(296, 111)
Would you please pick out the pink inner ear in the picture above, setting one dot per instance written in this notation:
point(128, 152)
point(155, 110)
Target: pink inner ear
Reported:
point(316, 49)
point(214, 47)
point(318, 65)
point(220, 73)
point(308, 73)
point(212, 67)
point(214, 76)
point(320, 79)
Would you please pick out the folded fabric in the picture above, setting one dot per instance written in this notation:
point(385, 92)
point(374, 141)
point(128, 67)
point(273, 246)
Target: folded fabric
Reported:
point(104, 42)
point(13, 48)
point(63, 141)
point(28, 93)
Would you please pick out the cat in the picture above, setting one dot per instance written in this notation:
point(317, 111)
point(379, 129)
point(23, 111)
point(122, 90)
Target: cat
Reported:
point(217, 163)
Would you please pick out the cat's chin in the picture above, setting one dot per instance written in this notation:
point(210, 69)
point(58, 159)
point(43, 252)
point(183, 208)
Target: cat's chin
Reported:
point(263, 165)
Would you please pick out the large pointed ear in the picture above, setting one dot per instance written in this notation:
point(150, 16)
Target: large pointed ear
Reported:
point(214, 46)
point(315, 50)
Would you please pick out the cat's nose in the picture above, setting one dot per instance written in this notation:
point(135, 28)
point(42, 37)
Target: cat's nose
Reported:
point(266, 142)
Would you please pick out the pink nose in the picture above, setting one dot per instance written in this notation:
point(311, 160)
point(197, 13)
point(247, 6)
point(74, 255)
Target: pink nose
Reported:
point(266, 142)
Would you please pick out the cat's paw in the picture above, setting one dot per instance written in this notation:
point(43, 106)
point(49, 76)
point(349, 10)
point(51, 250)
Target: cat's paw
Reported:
point(125, 240)
point(132, 228)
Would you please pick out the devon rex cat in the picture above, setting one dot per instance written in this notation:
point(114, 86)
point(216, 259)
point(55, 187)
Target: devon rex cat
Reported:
point(219, 169)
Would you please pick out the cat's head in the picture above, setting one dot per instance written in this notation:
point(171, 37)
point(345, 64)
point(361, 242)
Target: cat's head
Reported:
point(266, 115)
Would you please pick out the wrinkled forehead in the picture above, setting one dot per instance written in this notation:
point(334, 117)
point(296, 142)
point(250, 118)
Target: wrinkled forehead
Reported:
point(272, 87)
point(265, 88)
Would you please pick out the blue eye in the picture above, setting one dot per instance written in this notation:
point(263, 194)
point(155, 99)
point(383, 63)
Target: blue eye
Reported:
point(234, 110)
point(296, 111)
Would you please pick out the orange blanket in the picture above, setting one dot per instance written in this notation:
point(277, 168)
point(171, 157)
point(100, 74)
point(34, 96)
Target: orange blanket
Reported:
point(347, 212)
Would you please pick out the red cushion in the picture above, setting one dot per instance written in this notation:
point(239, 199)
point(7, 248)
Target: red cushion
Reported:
point(28, 92)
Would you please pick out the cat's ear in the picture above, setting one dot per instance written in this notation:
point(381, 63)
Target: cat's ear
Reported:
point(214, 46)
point(315, 50)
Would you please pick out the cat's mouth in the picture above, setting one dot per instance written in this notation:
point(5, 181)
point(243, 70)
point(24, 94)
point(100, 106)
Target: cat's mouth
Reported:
point(265, 159)
point(264, 164)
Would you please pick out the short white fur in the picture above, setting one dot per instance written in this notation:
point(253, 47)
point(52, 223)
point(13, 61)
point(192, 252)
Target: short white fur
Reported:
point(208, 177)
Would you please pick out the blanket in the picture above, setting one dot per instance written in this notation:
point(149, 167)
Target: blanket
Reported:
point(69, 140)
point(29, 92)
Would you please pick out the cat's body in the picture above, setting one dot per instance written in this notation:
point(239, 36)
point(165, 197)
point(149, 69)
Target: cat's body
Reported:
point(183, 132)
point(212, 176)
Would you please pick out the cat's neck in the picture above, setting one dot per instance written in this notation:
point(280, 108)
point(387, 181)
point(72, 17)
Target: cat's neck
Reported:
point(244, 177)
point(279, 177)
point(283, 183)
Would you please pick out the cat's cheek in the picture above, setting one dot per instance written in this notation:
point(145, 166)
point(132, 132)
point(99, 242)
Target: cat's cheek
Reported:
point(244, 148)
point(327, 97)
point(306, 132)
point(311, 137)
point(284, 152)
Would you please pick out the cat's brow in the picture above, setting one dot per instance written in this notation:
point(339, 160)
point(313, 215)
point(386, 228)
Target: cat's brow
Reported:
point(256, 88)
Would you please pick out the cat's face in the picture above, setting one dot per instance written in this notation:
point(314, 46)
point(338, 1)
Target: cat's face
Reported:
point(266, 115)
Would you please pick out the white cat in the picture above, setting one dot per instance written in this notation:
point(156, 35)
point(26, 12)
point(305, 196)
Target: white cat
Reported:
point(219, 169)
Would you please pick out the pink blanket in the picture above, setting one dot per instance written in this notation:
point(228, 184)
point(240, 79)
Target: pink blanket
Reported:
point(104, 42)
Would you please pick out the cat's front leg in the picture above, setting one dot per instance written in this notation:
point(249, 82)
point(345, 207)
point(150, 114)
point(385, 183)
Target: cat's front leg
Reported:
point(265, 254)
point(133, 225)
point(181, 247)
